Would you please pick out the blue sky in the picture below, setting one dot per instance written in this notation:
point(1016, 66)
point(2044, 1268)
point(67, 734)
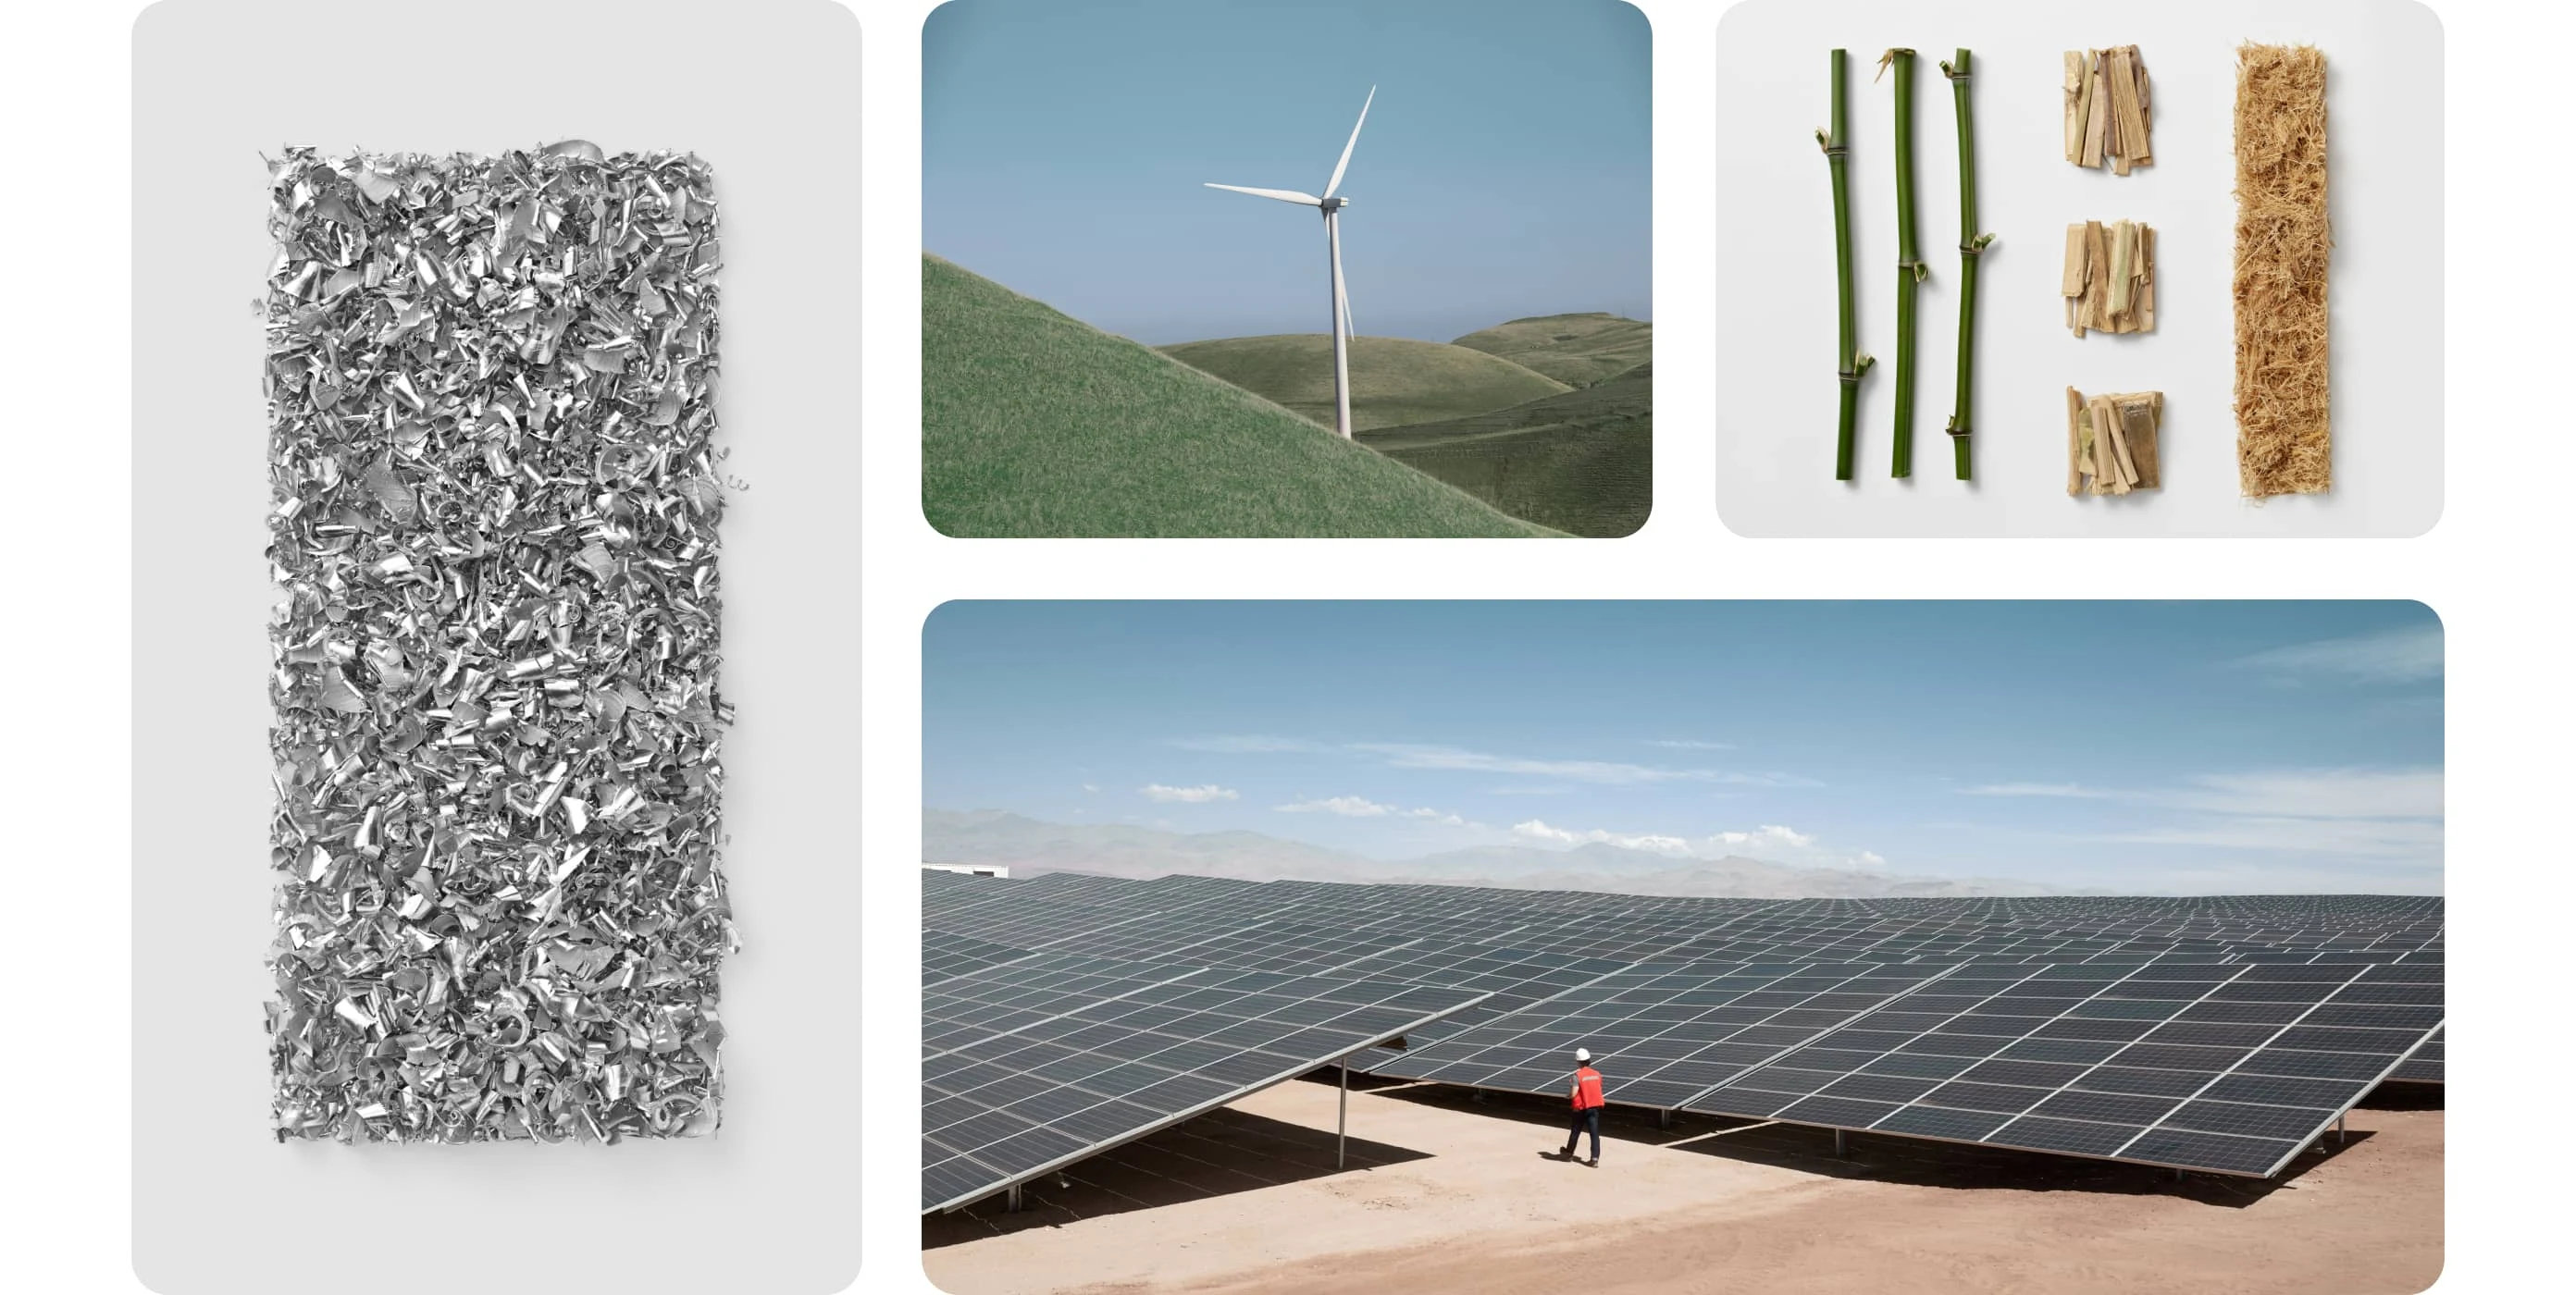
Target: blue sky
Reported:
point(1504, 171)
point(2146, 747)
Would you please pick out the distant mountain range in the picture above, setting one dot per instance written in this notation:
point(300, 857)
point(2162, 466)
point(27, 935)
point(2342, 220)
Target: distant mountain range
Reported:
point(1026, 845)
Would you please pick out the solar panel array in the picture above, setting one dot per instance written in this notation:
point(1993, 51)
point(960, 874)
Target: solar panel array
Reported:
point(2217, 1033)
point(1040, 1060)
point(2226, 1066)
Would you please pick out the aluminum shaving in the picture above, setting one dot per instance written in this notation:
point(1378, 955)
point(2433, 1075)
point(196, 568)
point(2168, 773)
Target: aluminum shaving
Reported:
point(491, 391)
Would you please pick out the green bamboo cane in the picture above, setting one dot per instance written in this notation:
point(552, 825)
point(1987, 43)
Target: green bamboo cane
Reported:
point(1852, 363)
point(1910, 269)
point(1972, 246)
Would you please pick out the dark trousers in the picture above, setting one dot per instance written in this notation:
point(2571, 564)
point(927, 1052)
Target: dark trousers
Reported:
point(1585, 1119)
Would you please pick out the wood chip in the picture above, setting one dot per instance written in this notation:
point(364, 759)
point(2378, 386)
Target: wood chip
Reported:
point(2109, 109)
point(2108, 282)
point(2111, 443)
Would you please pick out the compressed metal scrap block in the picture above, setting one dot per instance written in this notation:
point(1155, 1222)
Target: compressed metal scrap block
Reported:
point(496, 738)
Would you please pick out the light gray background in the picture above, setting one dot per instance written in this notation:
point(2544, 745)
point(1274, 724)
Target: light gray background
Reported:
point(1775, 358)
point(767, 92)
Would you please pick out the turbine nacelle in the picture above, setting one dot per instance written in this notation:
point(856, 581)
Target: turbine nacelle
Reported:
point(1329, 204)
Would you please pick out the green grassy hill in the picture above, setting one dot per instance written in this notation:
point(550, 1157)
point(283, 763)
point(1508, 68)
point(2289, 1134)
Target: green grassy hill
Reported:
point(1578, 350)
point(1034, 423)
point(1394, 380)
point(1582, 461)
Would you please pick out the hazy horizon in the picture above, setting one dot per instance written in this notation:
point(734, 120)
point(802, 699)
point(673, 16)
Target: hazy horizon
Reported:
point(2167, 748)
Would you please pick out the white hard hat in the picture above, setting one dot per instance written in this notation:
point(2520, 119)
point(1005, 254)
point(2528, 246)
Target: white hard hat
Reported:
point(1583, 1054)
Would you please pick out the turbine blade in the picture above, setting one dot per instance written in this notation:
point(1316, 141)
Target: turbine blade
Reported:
point(1342, 295)
point(1345, 163)
point(1283, 195)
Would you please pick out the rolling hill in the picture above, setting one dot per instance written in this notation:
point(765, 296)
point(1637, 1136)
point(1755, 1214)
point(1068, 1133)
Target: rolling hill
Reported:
point(1394, 380)
point(1035, 423)
point(1581, 461)
point(1578, 350)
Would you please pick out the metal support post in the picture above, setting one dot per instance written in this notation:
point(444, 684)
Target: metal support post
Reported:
point(1342, 1120)
point(1015, 1198)
point(1664, 1118)
point(1839, 1146)
point(2338, 1130)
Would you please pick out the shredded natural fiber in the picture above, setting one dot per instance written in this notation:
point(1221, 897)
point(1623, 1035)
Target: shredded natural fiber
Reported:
point(2111, 443)
point(2284, 242)
point(496, 738)
point(2109, 282)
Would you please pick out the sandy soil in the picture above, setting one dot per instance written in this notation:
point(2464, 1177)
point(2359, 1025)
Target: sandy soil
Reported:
point(1447, 1194)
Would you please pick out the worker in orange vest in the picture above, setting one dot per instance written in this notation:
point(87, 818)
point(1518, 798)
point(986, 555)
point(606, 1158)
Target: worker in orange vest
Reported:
point(1587, 1106)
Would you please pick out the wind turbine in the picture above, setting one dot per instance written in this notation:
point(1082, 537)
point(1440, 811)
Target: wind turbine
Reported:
point(1331, 207)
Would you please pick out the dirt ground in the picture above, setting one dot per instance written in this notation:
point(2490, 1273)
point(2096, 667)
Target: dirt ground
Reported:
point(1447, 1194)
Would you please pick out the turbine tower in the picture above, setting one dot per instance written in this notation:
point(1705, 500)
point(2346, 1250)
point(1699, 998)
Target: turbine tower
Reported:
point(1331, 207)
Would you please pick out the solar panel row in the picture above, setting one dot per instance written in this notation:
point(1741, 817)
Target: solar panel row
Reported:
point(1033, 1063)
point(2212, 1033)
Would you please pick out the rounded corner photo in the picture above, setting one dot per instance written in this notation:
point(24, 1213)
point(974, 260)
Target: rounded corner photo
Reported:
point(1153, 232)
point(2026, 276)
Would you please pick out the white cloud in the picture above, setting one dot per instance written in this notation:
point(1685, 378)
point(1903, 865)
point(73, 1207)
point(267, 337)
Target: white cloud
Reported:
point(1161, 794)
point(1248, 744)
point(1415, 755)
point(2318, 793)
point(1767, 834)
point(2066, 789)
point(1406, 755)
point(2383, 813)
point(1091, 787)
point(1685, 744)
point(2296, 793)
point(1770, 843)
point(1346, 806)
point(1538, 830)
point(1363, 807)
point(2409, 655)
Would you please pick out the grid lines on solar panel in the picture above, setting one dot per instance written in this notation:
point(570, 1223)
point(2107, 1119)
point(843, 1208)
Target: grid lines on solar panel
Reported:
point(1663, 1032)
point(1105, 1051)
point(2424, 1064)
point(1514, 978)
point(2230, 1067)
point(944, 955)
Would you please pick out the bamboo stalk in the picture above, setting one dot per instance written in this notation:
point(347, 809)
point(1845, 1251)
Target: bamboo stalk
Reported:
point(1852, 363)
point(1972, 246)
point(1910, 269)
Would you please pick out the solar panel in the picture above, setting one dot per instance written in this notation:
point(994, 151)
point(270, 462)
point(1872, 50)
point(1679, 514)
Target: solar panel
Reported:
point(1031, 1064)
point(1665, 1032)
point(2424, 1064)
point(944, 955)
point(2226, 1067)
point(1514, 979)
point(2215, 1032)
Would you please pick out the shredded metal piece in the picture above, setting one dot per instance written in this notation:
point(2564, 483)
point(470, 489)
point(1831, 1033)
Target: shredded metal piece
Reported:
point(497, 733)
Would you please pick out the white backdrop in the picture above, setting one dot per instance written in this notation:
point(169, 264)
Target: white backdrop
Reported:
point(1775, 352)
